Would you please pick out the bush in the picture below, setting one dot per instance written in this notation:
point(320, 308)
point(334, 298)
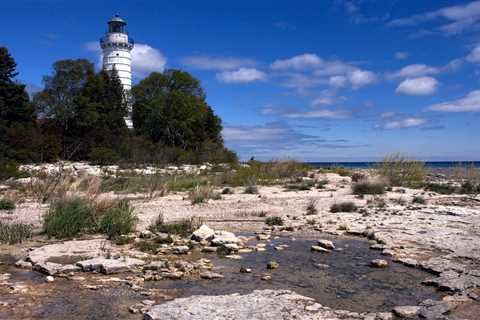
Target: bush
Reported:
point(358, 176)
point(441, 188)
point(69, 217)
point(9, 169)
point(419, 200)
point(183, 227)
point(368, 187)
point(7, 204)
point(311, 208)
point(401, 171)
point(251, 189)
point(347, 206)
point(227, 190)
point(274, 221)
point(104, 156)
point(202, 193)
point(468, 187)
point(301, 186)
point(118, 220)
point(11, 233)
point(344, 172)
point(322, 183)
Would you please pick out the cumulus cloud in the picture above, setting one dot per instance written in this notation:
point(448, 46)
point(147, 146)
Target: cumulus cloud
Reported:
point(453, 19)
point(401, 55)
point(309, 70)
point(360, 78)
point(421, 86)
point(474, 55)
point(414, 70)
point(308, 114)
point(242, 75)
point(410, 122)
point(300, 62)
point(216, 63)
point(145, 59)
point(469, 103)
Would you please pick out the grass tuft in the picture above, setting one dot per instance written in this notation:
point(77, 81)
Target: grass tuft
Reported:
point(274, 221)
point(7, 204)
point(183, 227)
point(368, 187)
point(12, 233)
point(311, 208)
point(69, 217)
point(119, 220)
point(347, 206)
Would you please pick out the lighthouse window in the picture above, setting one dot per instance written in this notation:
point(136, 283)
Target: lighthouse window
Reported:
point(117, 54)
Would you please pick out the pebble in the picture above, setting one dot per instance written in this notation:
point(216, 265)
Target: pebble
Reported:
point(379, 263)
point(319, 249)
point(49, 279)
point(245, 270)
point(272, 265)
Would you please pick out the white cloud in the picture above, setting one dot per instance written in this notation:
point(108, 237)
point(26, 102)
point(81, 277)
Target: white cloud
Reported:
point(474, 55)
point(404, 123)
point(338, 81)
point(145, 59)
point(216, 63)
point(242, 75)
point(300, 62)
point(418, 86)
point(456, 19)
point(360, 78)
point(401, 55)
point(319, 114)
point(414, 70)
point(469, 103)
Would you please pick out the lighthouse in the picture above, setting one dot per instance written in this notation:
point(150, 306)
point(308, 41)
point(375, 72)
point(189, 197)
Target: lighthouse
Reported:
point(116, 48)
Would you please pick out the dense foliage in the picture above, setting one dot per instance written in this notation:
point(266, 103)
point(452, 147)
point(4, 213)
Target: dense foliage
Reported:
point(79, 115)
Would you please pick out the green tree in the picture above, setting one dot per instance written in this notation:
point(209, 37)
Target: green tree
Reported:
point(170, 108)
point(56, 103)
point(17, 116)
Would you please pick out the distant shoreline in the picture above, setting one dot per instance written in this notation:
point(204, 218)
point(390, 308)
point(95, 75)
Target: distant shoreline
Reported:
point(370, 164)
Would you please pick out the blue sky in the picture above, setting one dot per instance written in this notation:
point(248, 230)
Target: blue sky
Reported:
point(330, 80)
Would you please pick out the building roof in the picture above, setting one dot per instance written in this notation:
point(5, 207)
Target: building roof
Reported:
point(117, 18)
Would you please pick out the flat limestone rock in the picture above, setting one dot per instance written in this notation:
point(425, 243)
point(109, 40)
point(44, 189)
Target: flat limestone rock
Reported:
point(82, 249)
point(203, 233)
point(258, 305)
point(109, 266)
point(224, 237)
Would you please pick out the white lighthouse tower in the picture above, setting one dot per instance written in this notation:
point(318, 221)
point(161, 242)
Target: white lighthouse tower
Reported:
point(117, 47)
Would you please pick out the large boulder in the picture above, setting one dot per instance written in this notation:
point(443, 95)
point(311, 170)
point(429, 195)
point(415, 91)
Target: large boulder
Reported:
point(203, 233)
point(109, 266)
point(259, 305)
point(224, 237)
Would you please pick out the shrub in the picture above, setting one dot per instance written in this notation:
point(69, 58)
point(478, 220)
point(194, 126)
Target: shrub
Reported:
point(11, 233)
point(358, 176)
point(468, 187)
point(274, 221)
point(322, 183)
point(9, 169)
point(251, 189)
point(419, 200)
point(368, 187)
point(183, 227)
point(301, 186)
point(147, 246)
point(401, 171)
point(69, 217)
point(104, 156)
point(311, 208)
point(202, 193)
point(227, 190)
point(7, 204)
point(347, 206)
point(118, 220)
point(344, 172)
point(441, 188)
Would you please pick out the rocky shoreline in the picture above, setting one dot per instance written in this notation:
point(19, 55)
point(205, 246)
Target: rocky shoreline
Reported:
point(440, 236)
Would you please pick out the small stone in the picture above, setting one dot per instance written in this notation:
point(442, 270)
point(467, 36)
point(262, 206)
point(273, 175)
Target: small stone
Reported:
point(210, 275)
point(266, 277)
point(49, 279)
point(233, 257)
point(23, 264)
point(384, 316)
point(319, 249)
point(181, 249)
point(245, 270)
point(379, 263)
point(203, 233)
point(146, 234)
point(322, 266)
point(263, 236)
point(406, 312)
point(209, 249)
point(327, 244)
point(272, 265)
